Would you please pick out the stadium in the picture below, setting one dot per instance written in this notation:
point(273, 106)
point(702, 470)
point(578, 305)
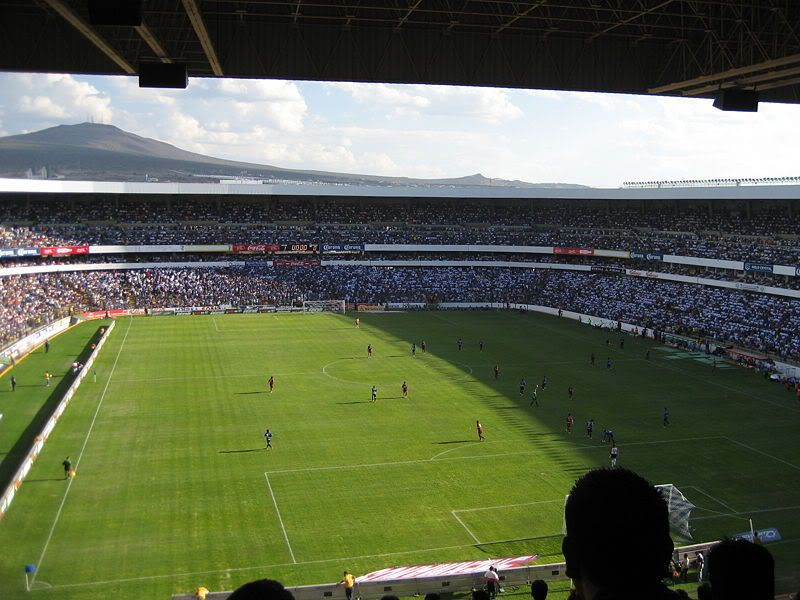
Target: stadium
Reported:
point(205, 384)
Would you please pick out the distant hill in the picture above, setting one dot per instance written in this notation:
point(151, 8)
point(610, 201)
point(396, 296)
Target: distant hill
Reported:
point(94, 152)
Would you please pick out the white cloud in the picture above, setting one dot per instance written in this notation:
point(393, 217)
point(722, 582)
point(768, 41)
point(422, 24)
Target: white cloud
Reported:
point(54, 99)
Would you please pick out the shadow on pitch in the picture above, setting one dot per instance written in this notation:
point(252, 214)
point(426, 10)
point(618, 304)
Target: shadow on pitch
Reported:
point(454, 442)
point(250, 393)
point(43, 480)
point(355, 402)
point(240, 451)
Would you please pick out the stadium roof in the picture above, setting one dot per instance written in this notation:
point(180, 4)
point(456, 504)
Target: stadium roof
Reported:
point(673, 47)
point(37, 186)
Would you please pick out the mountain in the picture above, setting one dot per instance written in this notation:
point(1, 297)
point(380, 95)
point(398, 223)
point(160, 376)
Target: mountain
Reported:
point(95, 152)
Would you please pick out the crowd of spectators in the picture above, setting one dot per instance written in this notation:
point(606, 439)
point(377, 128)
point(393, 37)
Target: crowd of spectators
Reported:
point(768, 235)
point(756, 321)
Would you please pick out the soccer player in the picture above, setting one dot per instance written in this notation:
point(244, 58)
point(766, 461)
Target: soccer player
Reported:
point(497, 371)
point(613, 454)
point(608, 362)
point(405, 390)
point(608, 342)
point(424, 347)
point(46, 346)
point(413, 349)
point(570, 422)
point(570, 392)
point(460, 343)
point(271, 383)
point(348, 581)
point(268, 438)
point(535, 396)
point(47, 377)
point(589, 428)
point(480, 345)
point(13, 384)
point(665, 422)
point(544, 382)
point(374, 393)
point(622, 343)
point(479, 427)
point(67, 464)
point(358, 323)
point(201, 592)
point(608, 436)
point(647, 355)
point(369, 350)
point(591, 358)
point(523, 383)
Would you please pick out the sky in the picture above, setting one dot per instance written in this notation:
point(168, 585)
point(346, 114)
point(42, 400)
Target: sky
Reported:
point(423, 131)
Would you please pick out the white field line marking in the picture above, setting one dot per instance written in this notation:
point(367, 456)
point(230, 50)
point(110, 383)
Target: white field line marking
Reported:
point(263, 567)
point(749, 512)
point(280, 519)
point(461, 510)
point(467, 529)
point(481, 456)
point(717, 500)
point(213, 320)
point(780, 460)
point(470, 443)
point(80, 456)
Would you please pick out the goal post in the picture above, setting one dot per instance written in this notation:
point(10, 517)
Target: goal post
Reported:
point(315, 306)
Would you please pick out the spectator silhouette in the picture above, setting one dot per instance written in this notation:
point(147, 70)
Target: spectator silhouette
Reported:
point(741, 570)
point(617, 543)
point(262, 589)
point(539, 589)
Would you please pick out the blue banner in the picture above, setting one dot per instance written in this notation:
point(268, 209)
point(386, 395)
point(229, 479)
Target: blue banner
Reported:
point(644, 255)
point(771, 534)
point(759, 267)
point(17, 252)
point(342, 248)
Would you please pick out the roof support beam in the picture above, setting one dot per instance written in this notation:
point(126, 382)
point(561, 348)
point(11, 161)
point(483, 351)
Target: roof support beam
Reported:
point(744, 83)
point(691, 83)
point(147, 35)
point(90, 34)
point(196, 18)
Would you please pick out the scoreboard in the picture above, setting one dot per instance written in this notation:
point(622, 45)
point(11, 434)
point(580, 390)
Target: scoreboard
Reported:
point(297, 249)
point(300, 248)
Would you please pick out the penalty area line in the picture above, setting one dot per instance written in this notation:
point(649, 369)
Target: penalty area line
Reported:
point(80, 455)
point(467, 529)
point(280, 519)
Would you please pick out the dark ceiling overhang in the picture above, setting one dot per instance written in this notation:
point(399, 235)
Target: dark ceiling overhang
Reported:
point(665, 47)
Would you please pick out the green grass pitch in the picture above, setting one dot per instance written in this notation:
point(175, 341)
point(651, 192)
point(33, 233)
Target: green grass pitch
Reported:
point(175, 488)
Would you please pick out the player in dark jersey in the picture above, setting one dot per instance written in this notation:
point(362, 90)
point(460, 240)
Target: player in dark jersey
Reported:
point(589, 428)
point(459, 343)
point(665, 422)
point(570, 392)
point(544, 382)
point(405, 390)
point(535, 397)
point(268, 439)
point(480, 345)
point(608, 436)
point(608, 362)
point(413, 349)
point(424, 347)
point(374, 393)
point(479, 427)
point(647, 355)
point(497, 371)
point(523, 383)
point(369, 350)
point(67, 464)
point(591, 359)
point(13, 384)
point(570, 422)
point(271, 383)
point(622, 344)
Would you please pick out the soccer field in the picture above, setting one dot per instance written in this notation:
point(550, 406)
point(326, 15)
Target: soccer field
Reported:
point(176, 489)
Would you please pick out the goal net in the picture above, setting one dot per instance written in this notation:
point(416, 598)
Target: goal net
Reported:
point(680, 509)
point(313, 306)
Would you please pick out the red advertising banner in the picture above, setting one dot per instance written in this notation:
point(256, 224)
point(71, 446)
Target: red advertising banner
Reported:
point(255, 248)
point(574, 251)
point(63, 250)
point(295, 262)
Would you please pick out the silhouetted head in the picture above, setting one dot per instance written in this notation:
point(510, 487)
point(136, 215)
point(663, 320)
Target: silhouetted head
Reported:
point(263, 589)
point(539, 590)
point(729, 560)
point(614, 515)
